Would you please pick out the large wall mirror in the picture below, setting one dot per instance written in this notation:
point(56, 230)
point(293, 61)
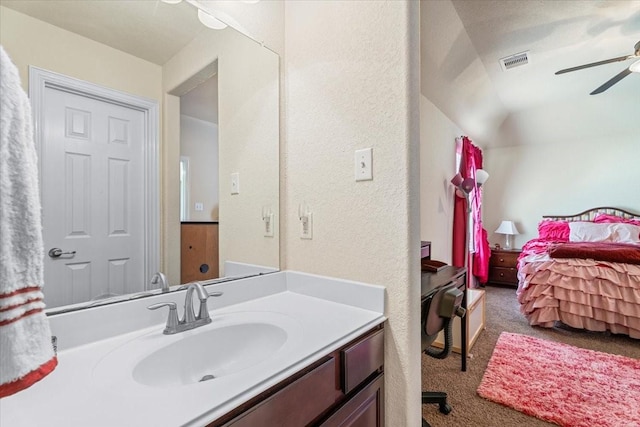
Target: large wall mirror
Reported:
point(199, 106)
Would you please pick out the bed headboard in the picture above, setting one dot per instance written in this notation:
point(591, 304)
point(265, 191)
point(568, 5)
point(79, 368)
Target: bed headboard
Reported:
point(590, 214)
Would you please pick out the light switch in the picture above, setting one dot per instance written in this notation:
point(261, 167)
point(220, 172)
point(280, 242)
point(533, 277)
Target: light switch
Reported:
point(363, 164)
point(235, 183)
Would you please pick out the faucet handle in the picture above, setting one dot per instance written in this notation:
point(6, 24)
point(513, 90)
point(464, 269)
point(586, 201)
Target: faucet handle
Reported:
point(172, 320)
point(204, 310)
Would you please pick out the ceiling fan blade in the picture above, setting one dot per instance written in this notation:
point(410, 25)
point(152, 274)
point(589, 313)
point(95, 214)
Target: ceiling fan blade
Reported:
point(595, 64)
point(615, 79)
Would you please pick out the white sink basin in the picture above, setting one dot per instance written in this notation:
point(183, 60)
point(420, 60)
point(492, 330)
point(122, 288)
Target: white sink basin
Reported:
point(233, 343)
point(210, 355)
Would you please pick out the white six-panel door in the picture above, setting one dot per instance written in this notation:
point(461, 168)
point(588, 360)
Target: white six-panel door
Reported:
point(92, 194)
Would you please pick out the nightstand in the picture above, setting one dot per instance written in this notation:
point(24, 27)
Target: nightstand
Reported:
point(503, 266)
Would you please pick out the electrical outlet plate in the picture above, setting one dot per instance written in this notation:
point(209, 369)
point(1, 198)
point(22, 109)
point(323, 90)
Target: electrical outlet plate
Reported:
point(268, 225)
point(363, 164)
point(235, 183)
point(306, 226)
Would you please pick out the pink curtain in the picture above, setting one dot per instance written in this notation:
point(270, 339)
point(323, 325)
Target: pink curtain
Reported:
point(470, 160)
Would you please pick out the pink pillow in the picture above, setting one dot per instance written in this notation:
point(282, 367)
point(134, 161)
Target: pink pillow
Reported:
point(607, 218)
point(555, 231)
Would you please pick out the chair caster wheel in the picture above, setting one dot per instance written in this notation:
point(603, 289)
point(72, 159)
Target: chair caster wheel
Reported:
point(445, 409)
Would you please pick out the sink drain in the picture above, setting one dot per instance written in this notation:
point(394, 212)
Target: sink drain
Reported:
point(206, 378)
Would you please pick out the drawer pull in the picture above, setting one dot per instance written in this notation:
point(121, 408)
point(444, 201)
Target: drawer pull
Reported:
point(501, 274)
point(501, 259)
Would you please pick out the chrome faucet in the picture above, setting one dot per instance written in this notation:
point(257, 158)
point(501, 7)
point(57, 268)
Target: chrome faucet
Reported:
point(160, 278)
point(189, 319)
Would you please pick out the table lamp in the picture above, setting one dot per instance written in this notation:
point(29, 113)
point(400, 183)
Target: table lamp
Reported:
point(508, 228)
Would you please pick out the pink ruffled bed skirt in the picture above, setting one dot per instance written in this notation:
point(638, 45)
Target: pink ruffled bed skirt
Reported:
point(584, 294)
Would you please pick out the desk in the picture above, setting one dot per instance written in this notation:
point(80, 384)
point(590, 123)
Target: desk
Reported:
point(430, 282)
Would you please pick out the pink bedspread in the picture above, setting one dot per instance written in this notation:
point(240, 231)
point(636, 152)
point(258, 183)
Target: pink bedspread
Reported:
point(581, 293)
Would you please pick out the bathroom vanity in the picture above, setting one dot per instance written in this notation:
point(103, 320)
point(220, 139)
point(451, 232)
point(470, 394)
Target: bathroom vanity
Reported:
point(284, 348)
point(346, 384)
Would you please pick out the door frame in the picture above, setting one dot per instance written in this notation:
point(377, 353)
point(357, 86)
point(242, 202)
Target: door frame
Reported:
point(41, 79)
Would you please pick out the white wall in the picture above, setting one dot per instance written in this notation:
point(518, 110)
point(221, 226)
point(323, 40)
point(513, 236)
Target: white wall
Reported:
point(29, 41)
point(248, 77)
point(199, 143)
point(437, 167)
point(452, 75)
point(352, 82)
point(559, 178)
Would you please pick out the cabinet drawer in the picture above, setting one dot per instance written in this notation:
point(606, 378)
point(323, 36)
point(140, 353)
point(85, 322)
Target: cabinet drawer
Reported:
point(503, 275)
point(298, 403)
point(504, 259)
point(362, 359)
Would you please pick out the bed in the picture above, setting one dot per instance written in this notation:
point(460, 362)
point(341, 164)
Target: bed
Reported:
point(583, 271)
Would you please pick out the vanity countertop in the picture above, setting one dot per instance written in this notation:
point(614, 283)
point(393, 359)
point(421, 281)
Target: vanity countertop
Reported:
point(89, 389)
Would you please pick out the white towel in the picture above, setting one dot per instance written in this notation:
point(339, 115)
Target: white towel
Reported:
point(26, 353)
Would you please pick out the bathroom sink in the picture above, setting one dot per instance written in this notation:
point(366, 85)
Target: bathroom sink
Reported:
point(235, 343)
point(209, 355)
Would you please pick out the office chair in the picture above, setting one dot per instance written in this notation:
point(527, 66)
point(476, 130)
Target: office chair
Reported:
point(437, 312)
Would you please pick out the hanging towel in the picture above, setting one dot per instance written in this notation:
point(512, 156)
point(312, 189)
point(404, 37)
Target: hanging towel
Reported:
point(26, 352)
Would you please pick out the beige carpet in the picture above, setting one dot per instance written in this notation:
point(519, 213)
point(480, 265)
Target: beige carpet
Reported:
point(502, 314)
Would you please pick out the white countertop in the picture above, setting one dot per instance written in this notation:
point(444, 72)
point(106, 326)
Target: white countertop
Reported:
point(89, 389)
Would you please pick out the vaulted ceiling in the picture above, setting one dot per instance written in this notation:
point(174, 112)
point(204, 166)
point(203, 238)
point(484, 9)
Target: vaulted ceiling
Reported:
point(462, 42)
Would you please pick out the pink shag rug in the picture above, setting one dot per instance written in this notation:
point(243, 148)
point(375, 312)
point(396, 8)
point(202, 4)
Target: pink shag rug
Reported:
point(563, 384)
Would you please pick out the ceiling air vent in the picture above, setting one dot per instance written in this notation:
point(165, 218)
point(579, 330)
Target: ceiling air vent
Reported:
point(513, 61)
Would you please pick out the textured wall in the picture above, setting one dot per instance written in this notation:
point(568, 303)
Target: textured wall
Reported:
point(352, 82)
point(437, 167)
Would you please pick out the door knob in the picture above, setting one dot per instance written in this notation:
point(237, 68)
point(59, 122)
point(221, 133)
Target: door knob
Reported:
point(57, 252)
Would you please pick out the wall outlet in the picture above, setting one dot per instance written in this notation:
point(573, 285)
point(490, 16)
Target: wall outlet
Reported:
point(306, 226)
point(268, 224)
point(199, 207)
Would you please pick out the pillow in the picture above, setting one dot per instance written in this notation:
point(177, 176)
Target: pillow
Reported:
point(556, 231)
point(604, 232)
point(607, 218)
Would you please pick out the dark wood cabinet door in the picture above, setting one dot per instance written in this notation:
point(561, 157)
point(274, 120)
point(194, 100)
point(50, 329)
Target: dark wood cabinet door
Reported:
point(365, 409)
point(298, 404)
point(198, 252)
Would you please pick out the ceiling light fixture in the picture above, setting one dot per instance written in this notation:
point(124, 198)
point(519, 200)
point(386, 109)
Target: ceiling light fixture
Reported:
point(635, 67)
point(210, 21)
point(206, 17)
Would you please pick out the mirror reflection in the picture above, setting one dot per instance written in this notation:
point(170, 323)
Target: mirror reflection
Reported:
point(158, 141)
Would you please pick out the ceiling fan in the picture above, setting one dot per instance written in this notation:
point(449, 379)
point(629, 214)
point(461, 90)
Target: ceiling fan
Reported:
point(633, 68)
